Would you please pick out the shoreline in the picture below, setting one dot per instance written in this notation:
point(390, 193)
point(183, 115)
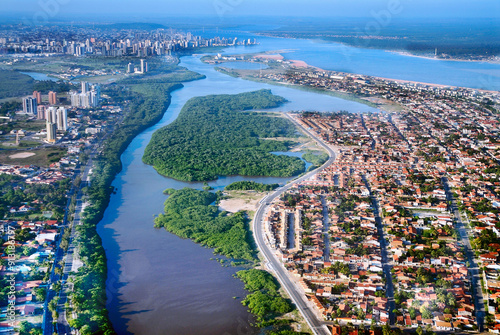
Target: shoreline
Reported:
point(495, 61)
point(401, 52)
point(299, 64)
point(340, 95)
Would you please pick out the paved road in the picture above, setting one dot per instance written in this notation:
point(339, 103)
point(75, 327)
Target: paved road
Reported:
point(62, 326)
point(386, 262)
point(326, 223)
point(299, 299)
point(62, 323)
point(473, 268)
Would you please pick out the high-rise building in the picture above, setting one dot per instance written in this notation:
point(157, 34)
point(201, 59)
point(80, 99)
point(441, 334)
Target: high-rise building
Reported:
point(75, 98)
point(89, 98)
point(96, 96)
point(51, 115)
point(52, 98)
point(144, 66)
point(38, 96)
point(130, 68)
point(85, 87)
point(40, 112)
point(29, 105)
point(62, 119)
point(51, 132)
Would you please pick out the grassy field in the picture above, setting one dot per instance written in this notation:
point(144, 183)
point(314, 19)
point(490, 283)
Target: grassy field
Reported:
point(26, 125)
point(43, 157)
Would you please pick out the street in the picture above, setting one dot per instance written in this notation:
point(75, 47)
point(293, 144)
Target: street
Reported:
point(298, 298)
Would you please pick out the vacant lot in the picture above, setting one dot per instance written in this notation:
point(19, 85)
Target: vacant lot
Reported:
point(41, 157)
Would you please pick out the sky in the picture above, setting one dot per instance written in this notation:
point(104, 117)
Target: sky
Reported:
point(235, 8)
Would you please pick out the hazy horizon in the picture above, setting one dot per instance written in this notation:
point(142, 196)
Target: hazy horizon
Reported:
point(225, 9)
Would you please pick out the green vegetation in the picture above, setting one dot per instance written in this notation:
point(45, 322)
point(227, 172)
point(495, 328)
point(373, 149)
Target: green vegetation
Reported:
point(15, 84)
point(14, 192)
point(213, 137)
point(43, 157)
point(264, 300)
point(188, 214)
point(315, 159)
point(60, 86)
point(246, 185)
point(10, 106)
point(27, 328)
point(147, 102)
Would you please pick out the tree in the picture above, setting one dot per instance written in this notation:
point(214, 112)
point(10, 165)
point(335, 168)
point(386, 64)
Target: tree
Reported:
point(426, 314)
point(419, 330)
point(40, 293)
point(26, 328)
point(386, 329)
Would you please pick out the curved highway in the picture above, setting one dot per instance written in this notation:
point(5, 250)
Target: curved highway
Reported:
point(299, 299)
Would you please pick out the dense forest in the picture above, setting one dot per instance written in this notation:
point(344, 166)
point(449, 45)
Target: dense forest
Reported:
point(188, 214)
point(219, 135)
point(60, 86)
point(266, 303)
point(15, 84)
point(246, 185)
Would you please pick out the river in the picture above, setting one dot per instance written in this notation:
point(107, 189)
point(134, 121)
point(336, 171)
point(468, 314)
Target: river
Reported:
point(375, 62)
point(157, 282)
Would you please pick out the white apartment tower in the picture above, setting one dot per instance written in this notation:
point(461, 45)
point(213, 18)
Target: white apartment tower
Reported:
point(51, 114)
point(29, 106)
point(62, 119)
point(144, 66)
point(51, 132)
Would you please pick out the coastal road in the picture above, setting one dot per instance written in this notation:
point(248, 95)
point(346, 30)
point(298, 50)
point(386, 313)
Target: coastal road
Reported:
point(317, 326)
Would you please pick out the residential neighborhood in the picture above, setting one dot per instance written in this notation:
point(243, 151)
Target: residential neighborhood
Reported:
point(403, 227)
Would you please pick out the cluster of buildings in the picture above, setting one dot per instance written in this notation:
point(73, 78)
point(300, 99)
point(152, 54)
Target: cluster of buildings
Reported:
point(34, 254)
point(105, 42)
point(382, 215)
point(143, 69)
point(88, 97)
point(34, 105)
point(29, 230)
point(333, 246)
point(56, 117)
point(367, 87)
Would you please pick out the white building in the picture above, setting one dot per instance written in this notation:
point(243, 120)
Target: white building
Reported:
point(29, 106)
point(51, 114)
point(62, 119)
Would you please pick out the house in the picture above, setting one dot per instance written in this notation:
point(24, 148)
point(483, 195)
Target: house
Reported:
point(443, 325)
point(27, 310)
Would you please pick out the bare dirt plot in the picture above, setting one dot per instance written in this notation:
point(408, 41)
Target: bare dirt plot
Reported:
point(241, 201)
point(22, 155)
